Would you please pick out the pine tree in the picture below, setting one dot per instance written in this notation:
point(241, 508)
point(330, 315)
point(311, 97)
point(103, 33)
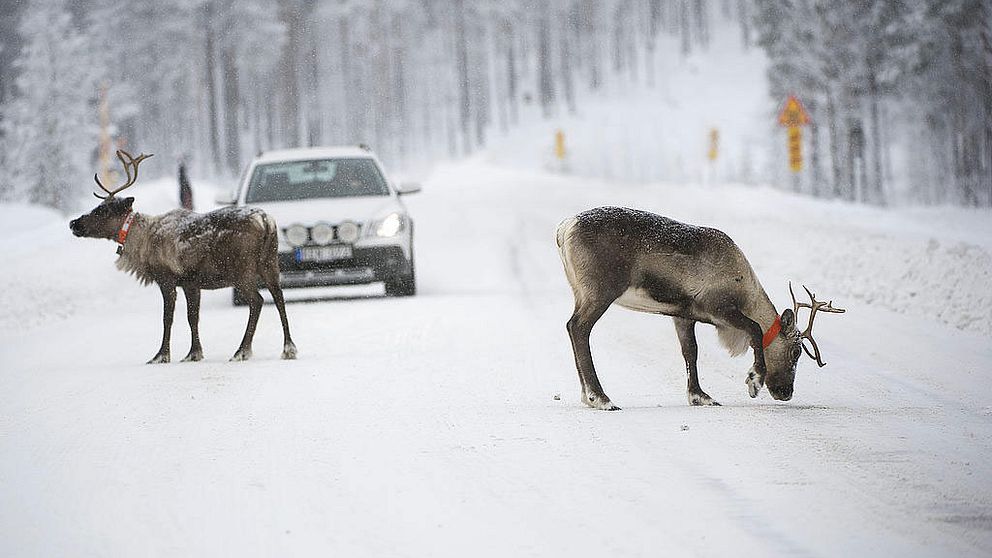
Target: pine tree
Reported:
point(53, 111)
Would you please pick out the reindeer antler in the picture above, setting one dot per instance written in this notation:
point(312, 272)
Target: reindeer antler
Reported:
point(814, 307)
point(130, 163)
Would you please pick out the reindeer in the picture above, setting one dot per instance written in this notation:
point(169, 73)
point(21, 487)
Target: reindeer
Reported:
point(649, 263)
point(229, 247)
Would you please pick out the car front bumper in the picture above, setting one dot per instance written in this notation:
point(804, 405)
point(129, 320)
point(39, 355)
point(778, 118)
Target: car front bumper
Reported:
point(368, 264)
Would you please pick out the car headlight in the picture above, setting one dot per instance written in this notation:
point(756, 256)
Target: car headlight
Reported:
point(391, 225)
point(297, 235)
point(322, 233)
point(348, 231)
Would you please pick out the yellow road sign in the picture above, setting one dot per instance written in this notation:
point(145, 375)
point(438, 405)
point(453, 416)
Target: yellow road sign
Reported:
point(795, 148)
point(793, 113)
point(793, 116)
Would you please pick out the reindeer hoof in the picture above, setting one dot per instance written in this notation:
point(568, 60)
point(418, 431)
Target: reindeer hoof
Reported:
point(754, 384)
point(161, 358)
point(602, 403)
point(241, 355)
point(193, 356)
point(289, 352)
point(701, 399)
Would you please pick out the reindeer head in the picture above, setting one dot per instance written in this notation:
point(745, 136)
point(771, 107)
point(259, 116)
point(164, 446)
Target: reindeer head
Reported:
point(783, 352)
point(106, 219)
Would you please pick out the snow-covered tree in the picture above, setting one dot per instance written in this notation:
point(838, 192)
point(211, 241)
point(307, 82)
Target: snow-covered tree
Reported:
point(216, 81)
point(50, 125)
point(884, 76)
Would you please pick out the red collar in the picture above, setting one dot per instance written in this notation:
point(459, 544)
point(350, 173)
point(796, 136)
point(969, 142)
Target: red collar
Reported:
point(772, 332)
point(125, 229)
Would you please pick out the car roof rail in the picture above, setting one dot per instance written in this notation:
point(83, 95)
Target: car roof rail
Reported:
point(365, 147)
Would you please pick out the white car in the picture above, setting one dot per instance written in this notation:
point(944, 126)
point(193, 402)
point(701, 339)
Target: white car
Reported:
point(341, 222)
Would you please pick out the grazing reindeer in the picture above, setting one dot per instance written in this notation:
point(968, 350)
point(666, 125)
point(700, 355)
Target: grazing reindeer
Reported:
point(229, 247)
point(650, 263)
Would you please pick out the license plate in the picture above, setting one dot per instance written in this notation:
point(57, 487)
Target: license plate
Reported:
point(323, 253)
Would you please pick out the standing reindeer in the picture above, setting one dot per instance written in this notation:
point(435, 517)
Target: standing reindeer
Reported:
point(229, 247)
point(649, 263)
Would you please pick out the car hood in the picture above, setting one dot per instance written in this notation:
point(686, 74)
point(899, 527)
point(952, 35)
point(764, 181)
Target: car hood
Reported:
point(330, 210)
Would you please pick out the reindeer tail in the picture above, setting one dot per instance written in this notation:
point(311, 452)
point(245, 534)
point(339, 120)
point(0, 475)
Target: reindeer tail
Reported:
point(270, 242)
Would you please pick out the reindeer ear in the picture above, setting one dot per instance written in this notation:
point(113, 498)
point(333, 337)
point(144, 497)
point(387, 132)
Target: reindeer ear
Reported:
point(128, 201)
point(788, 320)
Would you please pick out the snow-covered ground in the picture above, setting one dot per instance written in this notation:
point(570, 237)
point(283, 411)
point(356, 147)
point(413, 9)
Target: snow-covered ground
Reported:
point(448, 424)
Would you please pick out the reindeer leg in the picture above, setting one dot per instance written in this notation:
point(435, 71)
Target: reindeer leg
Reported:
point(169, 308)
point(193, 315)
point(249, 293)
point(686, 330)
point(756, 377)
point(579, 327)
point(271, 278)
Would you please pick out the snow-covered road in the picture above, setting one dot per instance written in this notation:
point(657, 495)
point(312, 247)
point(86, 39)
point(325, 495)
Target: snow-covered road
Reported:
point(448, 424)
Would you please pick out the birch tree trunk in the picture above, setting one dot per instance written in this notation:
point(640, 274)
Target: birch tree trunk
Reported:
point(546, 76)
point(464, 94)
point(232, 99)
point(289, 13)
point(211, 85)
point(877, 192)
point(836, 165)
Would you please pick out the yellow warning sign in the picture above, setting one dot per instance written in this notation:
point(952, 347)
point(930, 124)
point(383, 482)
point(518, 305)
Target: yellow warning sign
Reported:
point(793, 113)
point(793, 116)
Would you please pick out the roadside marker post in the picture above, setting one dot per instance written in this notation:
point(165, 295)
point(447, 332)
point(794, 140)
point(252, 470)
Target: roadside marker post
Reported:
point(561, 154)
point(714, 145)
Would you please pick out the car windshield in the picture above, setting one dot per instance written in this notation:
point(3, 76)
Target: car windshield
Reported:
point(323, 178)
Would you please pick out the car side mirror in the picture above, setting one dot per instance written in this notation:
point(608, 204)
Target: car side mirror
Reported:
point(408, 188)
point(225, 198)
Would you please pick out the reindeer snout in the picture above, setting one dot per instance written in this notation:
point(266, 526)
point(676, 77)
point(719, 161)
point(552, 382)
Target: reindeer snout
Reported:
point(784, 394)
point(75, 227)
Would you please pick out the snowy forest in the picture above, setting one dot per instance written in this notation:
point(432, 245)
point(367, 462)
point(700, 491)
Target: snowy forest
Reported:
point(888, 83)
